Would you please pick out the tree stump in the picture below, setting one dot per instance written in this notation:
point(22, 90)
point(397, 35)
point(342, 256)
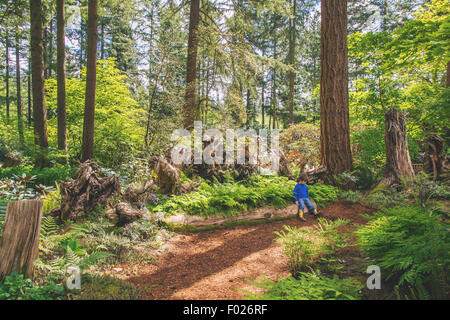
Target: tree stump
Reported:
point(398, 161)
point(81, 196)
point(19, 246)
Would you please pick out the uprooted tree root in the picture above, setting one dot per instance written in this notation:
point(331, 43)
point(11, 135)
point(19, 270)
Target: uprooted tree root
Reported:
point(80, 196)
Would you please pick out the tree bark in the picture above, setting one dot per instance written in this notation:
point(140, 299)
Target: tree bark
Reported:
point(398, 162)
point(61, 75)
point(19, 90)
point(89, 111)
point(7, 77)
point(292, 40)
point(191, 72)
point(29, 92)
point(334, 113)
point(37, 69)
point(19, 246)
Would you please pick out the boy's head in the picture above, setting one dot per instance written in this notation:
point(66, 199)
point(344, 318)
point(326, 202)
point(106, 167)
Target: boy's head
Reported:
point(303, 178)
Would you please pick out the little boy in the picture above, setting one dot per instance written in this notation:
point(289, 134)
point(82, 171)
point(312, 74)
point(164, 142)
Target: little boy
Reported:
point(301, 195)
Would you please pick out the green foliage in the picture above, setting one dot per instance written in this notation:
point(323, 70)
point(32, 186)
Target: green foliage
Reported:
point(118, 131)
point(409, 246)
point(300, 144)
point(425, 189)
point(46, 176)
point(323, 194)
point(16, 287)
point(95, 287)
point(383, 196)
point(353, 196)
point(308, 286)
point(302, 247)
point(230, 197)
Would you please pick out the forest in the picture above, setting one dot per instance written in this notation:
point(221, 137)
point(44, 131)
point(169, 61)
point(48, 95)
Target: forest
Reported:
point(155, 149)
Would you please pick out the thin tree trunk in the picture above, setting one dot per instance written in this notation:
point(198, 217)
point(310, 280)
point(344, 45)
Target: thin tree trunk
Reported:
point(191, 71)
point(37, 69)
point(334, 113)
point(50, 51)
point(89, 111)
point(29, 91)
point(7, 77)
point(45, 57)
point(274, 88)
point(61, 75)
point(292, 40)
point(102, 48)
point(19, 90)
point(262, 94)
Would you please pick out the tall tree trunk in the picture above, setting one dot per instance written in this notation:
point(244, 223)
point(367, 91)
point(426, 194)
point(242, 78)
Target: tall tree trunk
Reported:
point(262, 94)
point(7, 77)
point(50, 50)
point(334, 114)
point(191, 71)
point(292, 40)
point(398, 161)
point(45, 57)
point(37, 69)
point(61, 75)
point(29, 91)
point(102, 45)
point(89, 109)
point(19, 90)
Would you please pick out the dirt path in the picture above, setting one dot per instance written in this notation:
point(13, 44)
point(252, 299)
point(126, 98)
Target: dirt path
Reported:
point(215, 264)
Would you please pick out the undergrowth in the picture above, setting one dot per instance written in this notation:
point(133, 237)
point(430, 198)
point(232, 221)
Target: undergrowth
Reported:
point(411, 248)
point(230, 198)
point(308, 286)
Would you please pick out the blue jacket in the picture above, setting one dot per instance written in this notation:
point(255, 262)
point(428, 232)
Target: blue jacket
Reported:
point(301, 191)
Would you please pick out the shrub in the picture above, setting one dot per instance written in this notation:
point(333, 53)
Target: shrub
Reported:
point(323, 194)
point(351, 195)
point(409, 246)
point(300, 144)
point(46, 176)
point(308, 286)
point(301, 246)
point(16, 287)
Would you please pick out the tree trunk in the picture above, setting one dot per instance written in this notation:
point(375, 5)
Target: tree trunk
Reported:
point(37, 69)
point(334, 114)
point(433, 156)
point(50, 51)
point(19, 90)
point(29, 92)
point(191, 72)
point(7, 77)
point(89, 111)
point(61, 75)
point(19, 246)
point(398, 162)
point(292, 39)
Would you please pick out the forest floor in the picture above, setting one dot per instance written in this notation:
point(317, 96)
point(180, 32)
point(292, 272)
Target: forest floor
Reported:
point(217, 264)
